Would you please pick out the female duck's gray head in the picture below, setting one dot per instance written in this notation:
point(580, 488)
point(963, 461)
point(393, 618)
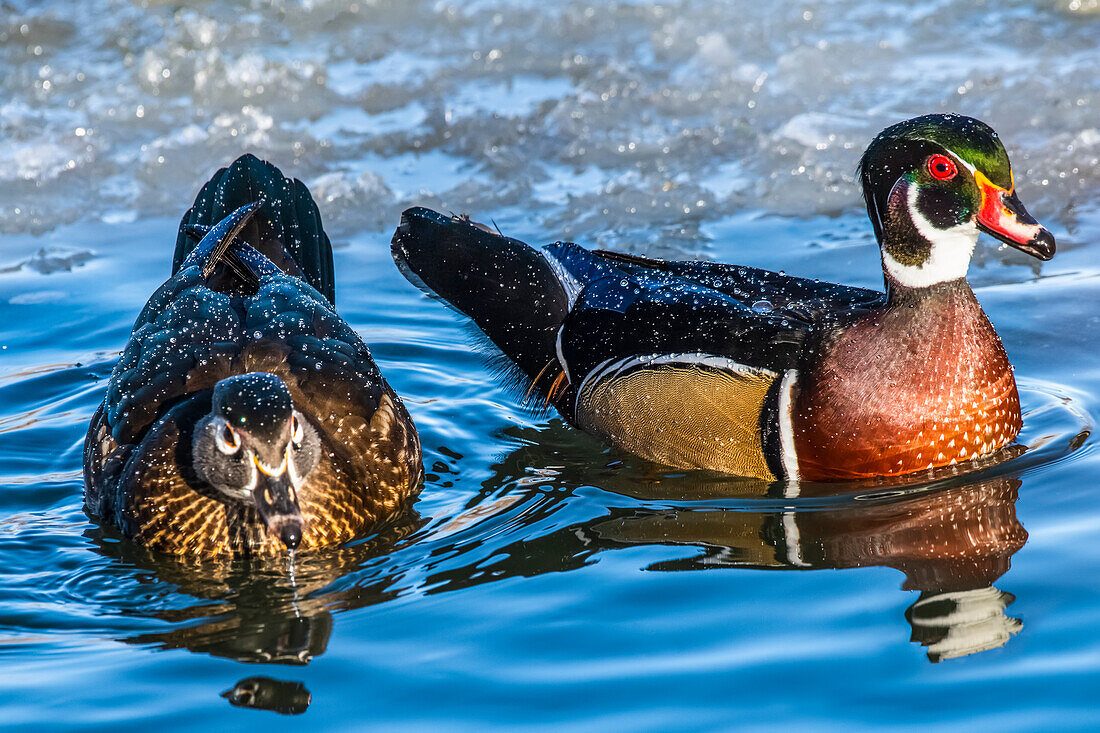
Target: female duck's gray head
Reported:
point(255, 449)
point(931, 183)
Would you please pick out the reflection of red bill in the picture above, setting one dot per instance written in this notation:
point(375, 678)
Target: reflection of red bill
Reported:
point(1003, 216)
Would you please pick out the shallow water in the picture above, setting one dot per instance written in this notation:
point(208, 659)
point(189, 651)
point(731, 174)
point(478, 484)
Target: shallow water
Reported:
point(543, 580)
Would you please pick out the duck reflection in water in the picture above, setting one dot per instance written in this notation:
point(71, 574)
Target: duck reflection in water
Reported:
point(952, 543)
point(265, 693)
point(261, 610)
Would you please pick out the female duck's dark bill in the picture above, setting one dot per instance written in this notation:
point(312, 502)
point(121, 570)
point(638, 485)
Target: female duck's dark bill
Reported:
point(1004, 216)
point(277, 504)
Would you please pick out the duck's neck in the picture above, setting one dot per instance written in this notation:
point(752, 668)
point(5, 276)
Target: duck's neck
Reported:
point(936, 329)
point(918, 252)
point(942, 261)
point(944, 301)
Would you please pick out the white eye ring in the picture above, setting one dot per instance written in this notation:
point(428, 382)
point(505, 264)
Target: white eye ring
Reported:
point(297, 431)
point(227, 440)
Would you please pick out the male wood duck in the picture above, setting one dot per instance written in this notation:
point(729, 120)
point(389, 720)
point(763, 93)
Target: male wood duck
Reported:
point(244, 416)
point(756, 373)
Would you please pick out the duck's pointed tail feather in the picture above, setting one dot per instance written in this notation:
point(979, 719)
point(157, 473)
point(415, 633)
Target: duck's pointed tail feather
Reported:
point(508, 288)
point(216, 246)
point(287, 228)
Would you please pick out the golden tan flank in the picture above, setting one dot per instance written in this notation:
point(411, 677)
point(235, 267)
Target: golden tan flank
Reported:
point(687, 416)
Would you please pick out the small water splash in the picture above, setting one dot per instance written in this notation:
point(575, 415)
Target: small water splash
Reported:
point(292, 570)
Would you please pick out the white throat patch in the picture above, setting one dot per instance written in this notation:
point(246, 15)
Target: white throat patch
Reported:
point(950, 256)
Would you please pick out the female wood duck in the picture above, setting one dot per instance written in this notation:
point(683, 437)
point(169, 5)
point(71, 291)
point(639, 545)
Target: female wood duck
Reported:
point(244, 415)
point(756, 373)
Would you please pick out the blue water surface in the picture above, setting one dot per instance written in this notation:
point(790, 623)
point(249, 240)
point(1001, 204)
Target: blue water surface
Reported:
point(543, 580)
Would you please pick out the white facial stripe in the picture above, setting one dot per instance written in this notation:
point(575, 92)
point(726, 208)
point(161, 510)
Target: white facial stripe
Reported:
point(787, 454)
point(878, 218)
point(255, 478)
point(220, 427)
point(950, 255)
point(958, 158)
point(961, 161)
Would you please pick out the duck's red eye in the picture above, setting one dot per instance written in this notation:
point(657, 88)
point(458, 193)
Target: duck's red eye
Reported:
point(941, 168)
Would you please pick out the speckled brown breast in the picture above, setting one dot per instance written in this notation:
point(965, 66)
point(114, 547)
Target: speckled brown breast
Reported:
point(924, 382)
point(342, 497)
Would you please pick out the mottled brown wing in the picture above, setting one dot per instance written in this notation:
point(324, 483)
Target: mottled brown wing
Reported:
point(362, 422)
point(184, 329)
point(157, 506)
point(103, 462)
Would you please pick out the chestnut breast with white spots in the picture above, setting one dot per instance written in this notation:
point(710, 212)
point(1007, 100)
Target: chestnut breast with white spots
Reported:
point(921, 383)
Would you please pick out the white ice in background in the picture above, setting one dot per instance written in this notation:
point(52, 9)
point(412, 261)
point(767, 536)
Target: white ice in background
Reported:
point(601, 121)
point(48, 260)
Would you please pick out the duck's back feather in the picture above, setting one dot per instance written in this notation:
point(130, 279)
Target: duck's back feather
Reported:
point(507, 287)
point(562, 311)
point(649, 312)
point(812, 301)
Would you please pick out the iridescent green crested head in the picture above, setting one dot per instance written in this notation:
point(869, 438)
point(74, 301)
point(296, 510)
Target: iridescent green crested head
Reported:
point(970, 139)
point(931, 183)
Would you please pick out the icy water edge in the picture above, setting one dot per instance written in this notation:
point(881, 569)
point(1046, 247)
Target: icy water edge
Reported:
point(543, 580)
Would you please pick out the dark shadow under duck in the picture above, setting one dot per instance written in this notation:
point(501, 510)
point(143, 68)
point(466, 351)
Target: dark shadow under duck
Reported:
point(244, 415)
point(757, 373)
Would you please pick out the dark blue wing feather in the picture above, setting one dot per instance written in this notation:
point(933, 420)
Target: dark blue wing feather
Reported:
point(623, 312)
point(812, 301)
